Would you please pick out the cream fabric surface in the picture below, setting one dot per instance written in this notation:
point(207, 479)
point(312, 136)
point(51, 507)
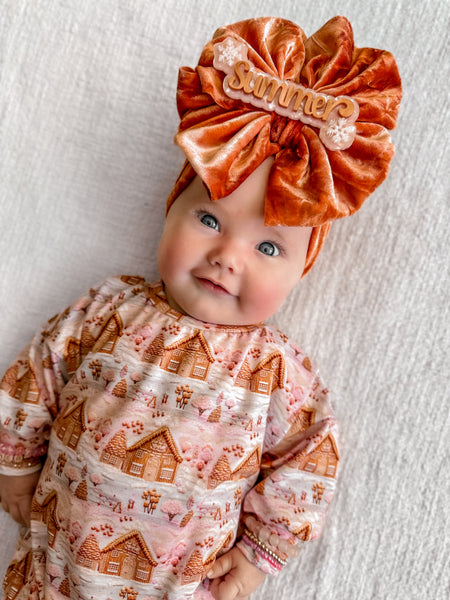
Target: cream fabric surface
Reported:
point(87, 116)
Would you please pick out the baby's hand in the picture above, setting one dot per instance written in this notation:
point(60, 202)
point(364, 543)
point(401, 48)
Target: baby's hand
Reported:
point(234, 577)
point(16, 492)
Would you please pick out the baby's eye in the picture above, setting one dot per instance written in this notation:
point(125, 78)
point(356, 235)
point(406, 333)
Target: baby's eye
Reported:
point(209, 221)
point(269, 249)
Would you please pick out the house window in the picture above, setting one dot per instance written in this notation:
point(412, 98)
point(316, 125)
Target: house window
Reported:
point(32, 397)
point(263, 387)
point(166, 474)
point(12, 592)
point(310, 466)
point(136, 468)
point(139, 453)
point(73, 440)
point(331, 470)
point(113, 567)
point(115, 553)
point(173, 365)
point(143, 574)
point(199, 371)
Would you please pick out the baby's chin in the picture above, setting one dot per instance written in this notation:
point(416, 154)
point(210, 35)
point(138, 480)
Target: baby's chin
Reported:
point(214, 316)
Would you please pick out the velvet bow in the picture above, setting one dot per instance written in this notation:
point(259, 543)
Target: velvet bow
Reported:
point(225, 139)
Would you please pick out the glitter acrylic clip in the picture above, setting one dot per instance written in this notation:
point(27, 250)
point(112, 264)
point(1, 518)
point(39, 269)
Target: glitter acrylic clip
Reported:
point(334, 116)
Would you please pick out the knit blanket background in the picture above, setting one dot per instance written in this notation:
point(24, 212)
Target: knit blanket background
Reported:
point(87, 117)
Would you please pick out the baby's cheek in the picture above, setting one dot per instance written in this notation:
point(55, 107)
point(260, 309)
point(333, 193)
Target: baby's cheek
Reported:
point(263, 301)
point(170, 258)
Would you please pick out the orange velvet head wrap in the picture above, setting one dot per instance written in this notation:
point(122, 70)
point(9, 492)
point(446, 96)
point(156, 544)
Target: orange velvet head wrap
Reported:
point(310, 184)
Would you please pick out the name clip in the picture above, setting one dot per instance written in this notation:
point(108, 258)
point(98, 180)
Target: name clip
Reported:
point(334, 116)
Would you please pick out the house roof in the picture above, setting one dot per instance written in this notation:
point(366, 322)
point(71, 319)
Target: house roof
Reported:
point(243, 464)
point(333, 443)
point(40, 507)
point(165, 432)
point(115, 317)
point(127, 536)
point(196, 335)
point(269, 359)
point(74, 408)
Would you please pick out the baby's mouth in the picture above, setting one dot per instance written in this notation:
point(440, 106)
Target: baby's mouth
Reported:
point(212, 286)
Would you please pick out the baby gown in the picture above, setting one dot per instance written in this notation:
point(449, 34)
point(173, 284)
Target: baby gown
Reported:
point(156, 433)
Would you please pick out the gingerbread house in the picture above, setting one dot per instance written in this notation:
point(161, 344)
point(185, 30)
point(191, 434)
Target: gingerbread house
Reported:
point(109, 334)
point(128, 556)
point(302, 419)
point(47, 513)
point(323, 460)
point(23, 388)
point(16, 576)
point(222, 471)
point(70, 426)
point(267, 376)
point(153, 458)
point(75, 349)
point(249, 466)
point(72, 354)
point(189, 357)
point(196, 567)
point(300, 422)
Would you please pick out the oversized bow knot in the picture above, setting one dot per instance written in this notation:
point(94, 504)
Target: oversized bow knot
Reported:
point(225, 138)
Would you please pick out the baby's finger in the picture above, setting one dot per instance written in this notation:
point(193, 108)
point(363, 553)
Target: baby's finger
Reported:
point(25, 510)
point(14, 513)
point(227, 589)
point(220, 567)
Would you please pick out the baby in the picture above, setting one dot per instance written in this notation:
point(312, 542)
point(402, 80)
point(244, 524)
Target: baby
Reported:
point(158, 440)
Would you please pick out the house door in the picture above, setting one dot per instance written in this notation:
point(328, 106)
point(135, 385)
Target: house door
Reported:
point(129, 567)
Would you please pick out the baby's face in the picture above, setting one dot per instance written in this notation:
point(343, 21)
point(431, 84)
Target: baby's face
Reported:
point(218, 260)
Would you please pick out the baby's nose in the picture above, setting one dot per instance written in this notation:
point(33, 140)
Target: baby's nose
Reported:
point(227, 254)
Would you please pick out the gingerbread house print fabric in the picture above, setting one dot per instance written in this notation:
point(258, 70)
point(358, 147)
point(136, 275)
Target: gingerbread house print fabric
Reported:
point(155, 433)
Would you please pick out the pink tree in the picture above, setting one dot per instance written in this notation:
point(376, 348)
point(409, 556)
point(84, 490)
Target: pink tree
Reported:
point(96, 479)
point(171, 508)
point(72, 474)
point(202, 403)
point(54, 572)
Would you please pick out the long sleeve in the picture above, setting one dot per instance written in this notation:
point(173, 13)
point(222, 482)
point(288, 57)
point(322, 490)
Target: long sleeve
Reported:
point(31, 387)
point(299, 462)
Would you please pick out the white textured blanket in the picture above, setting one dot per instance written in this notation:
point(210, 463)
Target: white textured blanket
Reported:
point(87, 116)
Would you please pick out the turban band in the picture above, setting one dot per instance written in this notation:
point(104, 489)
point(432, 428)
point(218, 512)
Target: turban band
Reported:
point(319, 106)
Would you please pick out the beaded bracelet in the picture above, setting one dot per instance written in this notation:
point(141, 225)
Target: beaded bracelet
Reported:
point(287, 549)
point(253, 541)
point(260, 552)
